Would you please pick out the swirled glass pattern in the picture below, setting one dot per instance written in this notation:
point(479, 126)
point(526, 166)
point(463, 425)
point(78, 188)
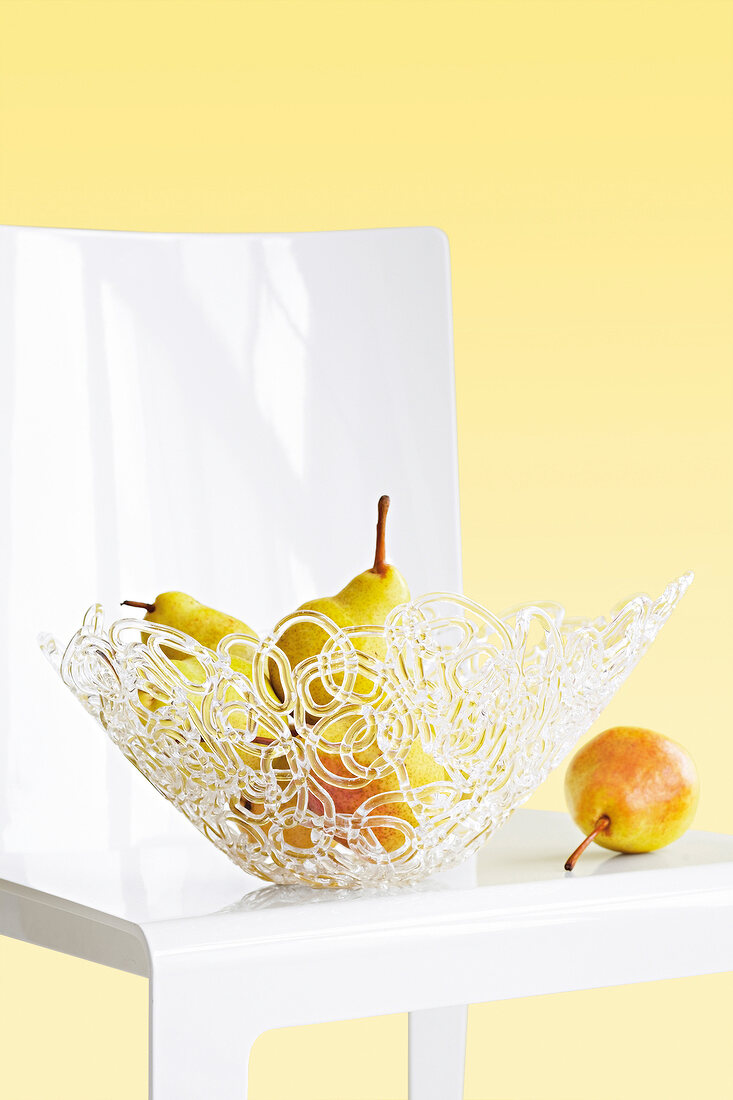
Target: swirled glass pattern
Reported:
point(374, 768)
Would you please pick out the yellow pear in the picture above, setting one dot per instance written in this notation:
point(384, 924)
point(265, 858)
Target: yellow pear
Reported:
point(239, 716)
point(189, 668)
point(186, 614)
point(204, 624)
point(365, 601)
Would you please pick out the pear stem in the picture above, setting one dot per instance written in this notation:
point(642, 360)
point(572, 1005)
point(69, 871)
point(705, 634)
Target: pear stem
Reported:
point(600, 827)
point(380, 562)
point(149, 607)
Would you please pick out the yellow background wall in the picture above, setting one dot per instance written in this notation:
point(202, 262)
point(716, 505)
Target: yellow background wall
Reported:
point(579, 156)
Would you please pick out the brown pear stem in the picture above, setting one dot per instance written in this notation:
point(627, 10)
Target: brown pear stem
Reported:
point(380, 556)
point(149, 607)
point(600, 827)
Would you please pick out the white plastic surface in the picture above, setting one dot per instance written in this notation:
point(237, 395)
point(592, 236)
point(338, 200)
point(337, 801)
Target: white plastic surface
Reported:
point(526, 928)
point(437, 1053)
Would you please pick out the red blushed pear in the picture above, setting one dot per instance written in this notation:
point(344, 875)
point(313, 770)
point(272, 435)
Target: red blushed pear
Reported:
point(419, 768)
point(631, 790)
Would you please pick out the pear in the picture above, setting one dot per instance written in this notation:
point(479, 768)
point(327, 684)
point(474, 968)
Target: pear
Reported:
point(186, 614)
point(295, 836)
point(206, 626)
point(190, 669)
point(365, 601)
point(420, 768)
point(631, 790)
point(239, 717)
point(251, 813)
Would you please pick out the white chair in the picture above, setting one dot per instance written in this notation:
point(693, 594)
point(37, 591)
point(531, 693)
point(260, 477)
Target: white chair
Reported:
point(219, 414)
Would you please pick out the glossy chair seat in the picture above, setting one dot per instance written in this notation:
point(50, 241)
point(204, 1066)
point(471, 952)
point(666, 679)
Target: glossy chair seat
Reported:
point(524, 928)
point(219, 414)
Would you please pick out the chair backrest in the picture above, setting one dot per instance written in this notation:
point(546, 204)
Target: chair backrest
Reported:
point(213, 413)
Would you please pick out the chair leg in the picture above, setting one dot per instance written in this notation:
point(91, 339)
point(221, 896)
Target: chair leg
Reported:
point(197, 1052)
point(437, 1053)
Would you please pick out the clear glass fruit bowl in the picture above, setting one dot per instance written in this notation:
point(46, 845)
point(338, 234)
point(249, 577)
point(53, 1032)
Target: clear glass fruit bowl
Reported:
point(371, 770)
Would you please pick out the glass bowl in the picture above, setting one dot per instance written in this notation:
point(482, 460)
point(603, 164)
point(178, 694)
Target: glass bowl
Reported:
point(376, 768)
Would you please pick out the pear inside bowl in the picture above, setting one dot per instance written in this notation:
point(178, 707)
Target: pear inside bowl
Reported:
point(392, 753)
